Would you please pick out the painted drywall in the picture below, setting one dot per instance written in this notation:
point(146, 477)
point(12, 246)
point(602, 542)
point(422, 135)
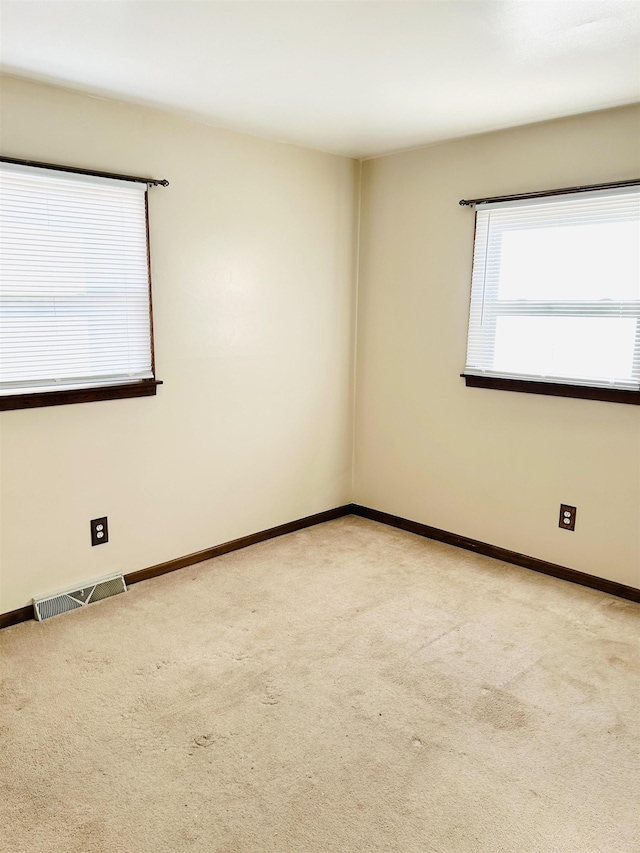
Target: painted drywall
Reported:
point(490, 465)
point(253, 296)
point(253, 262)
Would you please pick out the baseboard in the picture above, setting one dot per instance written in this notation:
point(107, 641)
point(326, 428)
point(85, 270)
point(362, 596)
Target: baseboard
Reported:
point(13, 617)
point(23, 614)
point(612, 587)
point(237, 544)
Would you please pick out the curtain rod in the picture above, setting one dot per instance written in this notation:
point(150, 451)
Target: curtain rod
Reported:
point(522, 196)
point(149, 181)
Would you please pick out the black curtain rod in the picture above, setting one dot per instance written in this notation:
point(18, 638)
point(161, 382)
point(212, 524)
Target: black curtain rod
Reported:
point(522, 196)
point(149, 181)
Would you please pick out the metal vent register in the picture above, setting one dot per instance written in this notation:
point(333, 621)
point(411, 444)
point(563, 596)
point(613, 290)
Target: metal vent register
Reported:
point(71, 599)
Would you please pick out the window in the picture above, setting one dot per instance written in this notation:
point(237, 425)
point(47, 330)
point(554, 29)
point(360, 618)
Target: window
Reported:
point(555, 295)
point(75, 300)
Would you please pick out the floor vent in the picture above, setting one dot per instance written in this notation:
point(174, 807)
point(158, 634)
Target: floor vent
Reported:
point(71, 599)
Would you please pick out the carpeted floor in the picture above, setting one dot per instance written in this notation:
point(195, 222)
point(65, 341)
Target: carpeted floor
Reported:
point(349, 688)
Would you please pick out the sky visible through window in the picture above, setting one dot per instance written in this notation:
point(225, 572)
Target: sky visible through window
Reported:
point(586, 263)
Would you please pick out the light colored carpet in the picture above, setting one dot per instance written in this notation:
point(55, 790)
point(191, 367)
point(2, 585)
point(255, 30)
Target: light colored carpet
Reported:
point(347, 688)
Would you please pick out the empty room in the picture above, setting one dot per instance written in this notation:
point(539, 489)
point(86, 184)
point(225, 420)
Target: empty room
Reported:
point(319, 426)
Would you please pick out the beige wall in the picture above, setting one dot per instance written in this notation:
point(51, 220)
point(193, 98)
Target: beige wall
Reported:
point(490, 465)
point(253, 248)
point(253, 273)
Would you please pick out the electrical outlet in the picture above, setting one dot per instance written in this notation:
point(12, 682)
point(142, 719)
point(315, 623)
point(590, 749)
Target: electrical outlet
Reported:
point(99, 531)
point(567, 517)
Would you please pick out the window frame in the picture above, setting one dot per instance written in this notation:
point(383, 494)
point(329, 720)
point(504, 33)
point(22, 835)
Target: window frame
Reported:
point(87, 393)
point(544, 386)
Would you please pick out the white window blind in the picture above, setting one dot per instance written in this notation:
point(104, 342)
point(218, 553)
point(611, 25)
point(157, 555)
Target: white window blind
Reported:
point(555, 293)
point(74, 281)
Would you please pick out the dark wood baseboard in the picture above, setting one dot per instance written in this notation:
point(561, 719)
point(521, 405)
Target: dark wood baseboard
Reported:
point(13, 617)
point(236, 544)
point(556, 571)
point(23, 614)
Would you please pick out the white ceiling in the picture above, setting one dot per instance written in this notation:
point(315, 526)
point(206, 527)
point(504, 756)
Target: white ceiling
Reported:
point(357, 78)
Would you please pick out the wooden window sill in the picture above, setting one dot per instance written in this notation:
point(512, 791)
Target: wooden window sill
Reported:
point(143, 388)
point(555, 389)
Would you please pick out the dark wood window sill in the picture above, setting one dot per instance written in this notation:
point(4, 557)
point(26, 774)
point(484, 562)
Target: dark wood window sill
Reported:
point(143, 388)
point(583, 392)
